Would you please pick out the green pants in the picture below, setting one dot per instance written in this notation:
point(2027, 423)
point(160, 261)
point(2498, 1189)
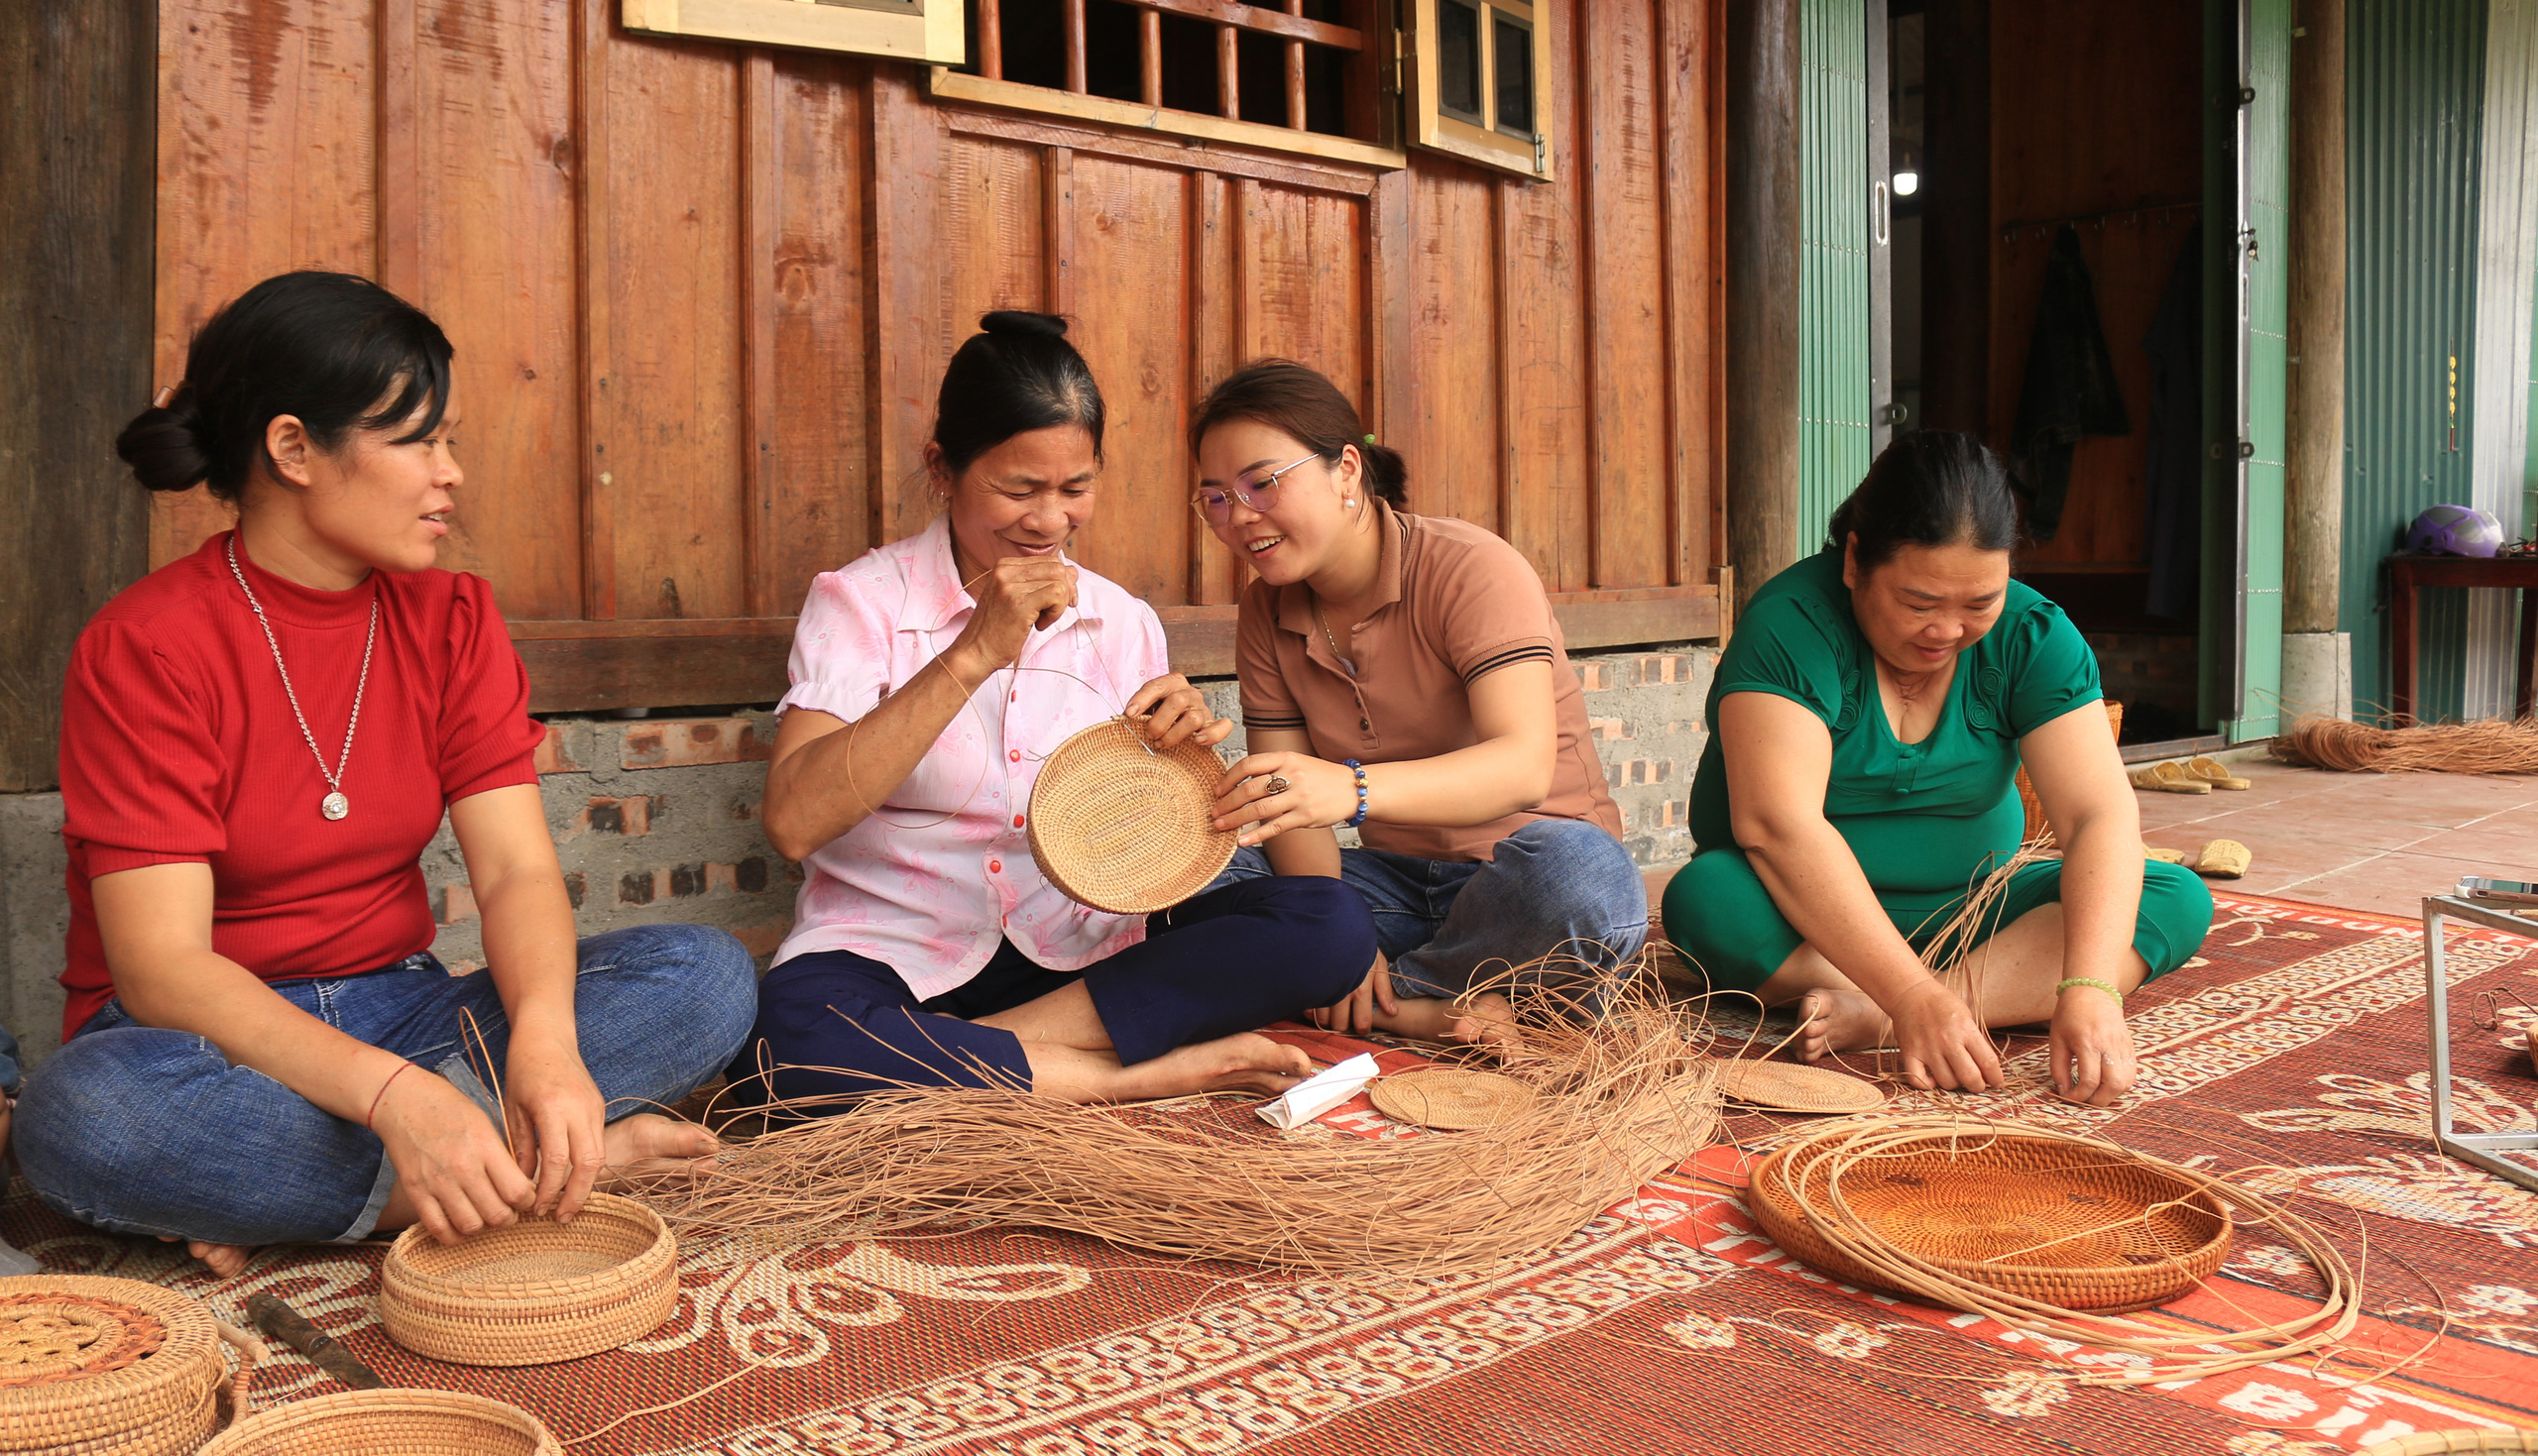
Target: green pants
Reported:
point(1721, 918)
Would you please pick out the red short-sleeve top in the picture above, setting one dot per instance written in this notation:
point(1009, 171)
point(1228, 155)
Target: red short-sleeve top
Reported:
point(178, 745)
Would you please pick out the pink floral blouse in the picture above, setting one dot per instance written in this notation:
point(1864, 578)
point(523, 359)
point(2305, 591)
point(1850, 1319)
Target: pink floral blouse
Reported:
point(932, 882)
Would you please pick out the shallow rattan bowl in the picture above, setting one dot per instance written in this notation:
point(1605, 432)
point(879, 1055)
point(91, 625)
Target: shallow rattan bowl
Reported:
point(1124, 828)
point(1789, 1086)
point(2440, 1442)
point(389, 1424)
point(2065, 1224)
point(1450, 1099)
point(105, 1365)
point(535, 1293)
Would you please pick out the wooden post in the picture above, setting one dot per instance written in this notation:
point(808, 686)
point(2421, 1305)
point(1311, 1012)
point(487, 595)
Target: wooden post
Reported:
point(1296, 73)
point(1149, 56)
point(78, 158)
point(990, 40)
point(1956, 218)
point(1228, 73)
point(2314, 484)
point(1763, 319)
point(1075, 46)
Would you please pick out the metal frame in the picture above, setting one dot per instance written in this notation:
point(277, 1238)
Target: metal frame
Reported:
point(2477, 1148)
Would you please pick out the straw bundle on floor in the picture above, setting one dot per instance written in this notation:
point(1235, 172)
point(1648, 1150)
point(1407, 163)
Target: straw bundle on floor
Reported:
point(1613, 1104)
point(2492, 745)
point(1851, 1153)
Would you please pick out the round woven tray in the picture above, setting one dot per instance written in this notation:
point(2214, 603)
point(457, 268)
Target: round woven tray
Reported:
point(390, 1423)
point(1789, 1086)
point(2439, 1442)
point(1449, 1099)
point(1124, 828)
point(2068, 1225)
point(90, 1364)
point(535, 1293)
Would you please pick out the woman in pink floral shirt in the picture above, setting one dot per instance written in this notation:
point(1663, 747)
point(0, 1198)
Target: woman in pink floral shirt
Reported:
point(927, 946)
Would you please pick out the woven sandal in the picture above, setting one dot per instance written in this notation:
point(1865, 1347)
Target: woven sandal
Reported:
point(2224, 859)
point(2168, 778)
point(2217, 774)
point(2166, 857)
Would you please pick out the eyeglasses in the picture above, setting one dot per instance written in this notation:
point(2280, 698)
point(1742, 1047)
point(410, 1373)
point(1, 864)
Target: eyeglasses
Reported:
point(1259, 493)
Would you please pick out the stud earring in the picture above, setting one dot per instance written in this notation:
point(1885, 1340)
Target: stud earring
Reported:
point(1347, 501)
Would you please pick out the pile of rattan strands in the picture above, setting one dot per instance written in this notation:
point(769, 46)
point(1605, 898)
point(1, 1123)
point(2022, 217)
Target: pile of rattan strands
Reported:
point(1614, 1103)
point(1856, 1141)
point(2492, 745)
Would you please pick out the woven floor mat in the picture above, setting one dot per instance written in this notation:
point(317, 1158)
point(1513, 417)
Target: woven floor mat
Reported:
point(2294, 1040)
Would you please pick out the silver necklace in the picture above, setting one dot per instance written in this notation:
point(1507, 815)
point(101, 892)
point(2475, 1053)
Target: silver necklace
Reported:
point(334, 805)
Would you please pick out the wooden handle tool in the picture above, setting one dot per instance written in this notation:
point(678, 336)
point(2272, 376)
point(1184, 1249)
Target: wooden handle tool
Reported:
point(287, 1325)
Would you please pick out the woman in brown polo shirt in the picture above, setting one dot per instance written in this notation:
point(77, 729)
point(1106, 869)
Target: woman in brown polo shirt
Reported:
point(1404, 675)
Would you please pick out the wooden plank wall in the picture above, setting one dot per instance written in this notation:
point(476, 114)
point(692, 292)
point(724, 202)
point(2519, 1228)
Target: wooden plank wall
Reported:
point(702, 296)
point(2092, 114)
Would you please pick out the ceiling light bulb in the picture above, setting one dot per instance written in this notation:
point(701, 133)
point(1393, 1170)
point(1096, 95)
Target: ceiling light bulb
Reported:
point(1906, 184)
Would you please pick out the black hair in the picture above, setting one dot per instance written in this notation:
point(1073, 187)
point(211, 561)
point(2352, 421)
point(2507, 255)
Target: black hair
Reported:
point(1930, 487)
point(1303, 404)
point(336, 350)
point(1017, 374)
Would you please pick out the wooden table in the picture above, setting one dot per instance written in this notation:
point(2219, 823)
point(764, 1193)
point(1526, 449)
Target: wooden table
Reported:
point(2408, 572)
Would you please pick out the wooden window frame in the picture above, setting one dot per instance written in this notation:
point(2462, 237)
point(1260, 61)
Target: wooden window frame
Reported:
point(1488, 144)
point(932, 31)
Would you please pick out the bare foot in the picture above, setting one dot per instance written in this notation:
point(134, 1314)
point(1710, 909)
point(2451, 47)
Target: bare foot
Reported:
point(647, 1144)
point(1246, 1061)
point(1837, 1019)
point(227, 1260)
point(1488, 1021)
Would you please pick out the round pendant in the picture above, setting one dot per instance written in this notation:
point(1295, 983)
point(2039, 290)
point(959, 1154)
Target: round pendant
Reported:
point(335, 804)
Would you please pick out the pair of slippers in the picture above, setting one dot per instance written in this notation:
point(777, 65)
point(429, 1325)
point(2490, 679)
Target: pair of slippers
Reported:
point(2188, 776)
point(2222, 859)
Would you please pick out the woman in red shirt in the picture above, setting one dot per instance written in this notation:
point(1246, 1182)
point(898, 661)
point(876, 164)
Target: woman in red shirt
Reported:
point(258, 742)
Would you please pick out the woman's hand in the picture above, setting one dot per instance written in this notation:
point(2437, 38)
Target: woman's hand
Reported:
point(2092, 1048)
point(450, 1160)
point(1170, 712)
point(1356, 1012)
point(1016, 596)
point(1267, 794)
point(557, 1119)
point(1944, 1045)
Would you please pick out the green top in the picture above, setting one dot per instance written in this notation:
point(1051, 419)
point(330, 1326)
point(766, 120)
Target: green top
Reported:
point(1919, 816)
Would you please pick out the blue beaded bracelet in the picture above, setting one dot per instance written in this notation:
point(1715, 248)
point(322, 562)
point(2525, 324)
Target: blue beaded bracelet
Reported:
point(1360, 816)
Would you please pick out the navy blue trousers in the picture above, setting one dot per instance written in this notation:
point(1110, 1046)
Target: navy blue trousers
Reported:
point(835, 1024)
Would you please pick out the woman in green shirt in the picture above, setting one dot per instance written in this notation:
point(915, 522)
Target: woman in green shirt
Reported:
point(1867, 721)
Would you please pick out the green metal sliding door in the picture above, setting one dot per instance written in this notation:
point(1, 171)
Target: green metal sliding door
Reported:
point(1836, 357)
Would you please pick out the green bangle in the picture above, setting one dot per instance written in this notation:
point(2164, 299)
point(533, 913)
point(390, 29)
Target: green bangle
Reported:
point(2089, 980)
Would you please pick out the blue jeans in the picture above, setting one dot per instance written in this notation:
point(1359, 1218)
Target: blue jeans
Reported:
point(1556, 886)
point(141, 1130)
point(9, 1067)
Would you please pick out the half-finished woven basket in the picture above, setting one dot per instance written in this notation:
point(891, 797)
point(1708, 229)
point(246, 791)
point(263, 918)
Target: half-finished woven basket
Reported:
point(105, 1365)
point(389, 1424)
point(2040, 829)
point(1450, 1099)
point(1788, 1086)
point(1124, 828)
point(535, 1293)
point(2060, 1223)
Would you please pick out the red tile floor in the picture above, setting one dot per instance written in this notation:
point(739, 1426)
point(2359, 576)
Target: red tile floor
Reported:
point(2358, 840)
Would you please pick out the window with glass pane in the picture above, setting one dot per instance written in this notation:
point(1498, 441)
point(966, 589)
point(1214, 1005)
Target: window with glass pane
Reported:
point(1512, 41)
point(1458, 60)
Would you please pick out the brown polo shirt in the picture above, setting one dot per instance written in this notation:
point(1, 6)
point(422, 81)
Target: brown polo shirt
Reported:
point(1454, 602)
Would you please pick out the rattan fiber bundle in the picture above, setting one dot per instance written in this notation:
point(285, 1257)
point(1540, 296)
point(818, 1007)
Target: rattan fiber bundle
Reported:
point(105, 1365)
point(393, 1422)
point(2489, 745)
point(535, 1293)
point(1124, 826)
point(2066, 1223)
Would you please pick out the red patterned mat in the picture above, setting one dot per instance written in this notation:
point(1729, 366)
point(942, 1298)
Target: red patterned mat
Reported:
point(2296, 1041)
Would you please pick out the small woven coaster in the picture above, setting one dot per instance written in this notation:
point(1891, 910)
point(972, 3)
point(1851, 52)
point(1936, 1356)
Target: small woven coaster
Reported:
point(1788, 1086)
point(1450, 1099)
point(1126, 828)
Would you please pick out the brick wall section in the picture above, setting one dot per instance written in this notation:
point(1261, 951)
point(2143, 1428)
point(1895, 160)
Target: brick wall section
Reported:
point(657, 819)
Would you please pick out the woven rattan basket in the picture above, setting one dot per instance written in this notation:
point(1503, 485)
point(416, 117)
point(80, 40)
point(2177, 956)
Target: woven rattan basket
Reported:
point(2441, 1442)
point(1450, 1099)
point(1126, 828)
point(105, 1365)
point(2057, 1222)
point(390, 1423)
point(2038, 830)
point(535, 1293)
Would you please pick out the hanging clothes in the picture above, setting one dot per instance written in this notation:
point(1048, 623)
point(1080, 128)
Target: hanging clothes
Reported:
point(2172, 477)
point(2069, 391)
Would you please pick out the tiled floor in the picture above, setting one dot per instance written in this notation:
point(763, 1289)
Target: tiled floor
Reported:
point(2360, 841)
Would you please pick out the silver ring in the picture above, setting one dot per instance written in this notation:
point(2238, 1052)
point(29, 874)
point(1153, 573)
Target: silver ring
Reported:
point(1278, 785)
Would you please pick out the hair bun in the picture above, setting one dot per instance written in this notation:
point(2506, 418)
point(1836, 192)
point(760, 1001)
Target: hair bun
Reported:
point(163, 443)
point(1020, 321)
